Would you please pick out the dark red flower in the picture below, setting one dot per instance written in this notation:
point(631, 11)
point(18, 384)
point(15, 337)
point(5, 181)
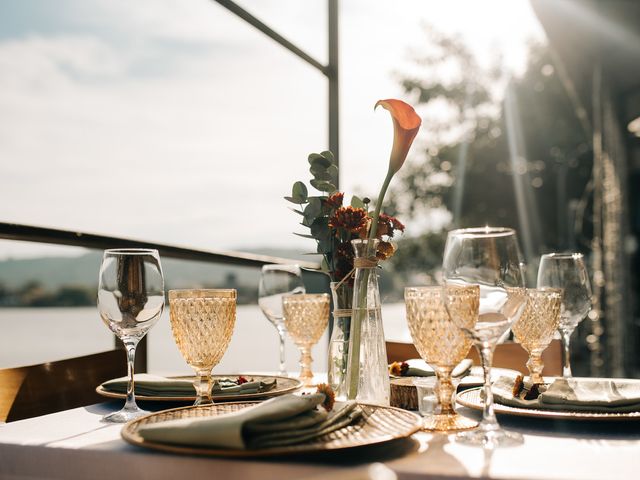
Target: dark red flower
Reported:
point(387, 225)
point(385, 250)
point(353, 220)
point(335, 200)
point(241, 380)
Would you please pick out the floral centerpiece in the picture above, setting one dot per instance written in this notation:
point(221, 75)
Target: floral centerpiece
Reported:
point(334, 225)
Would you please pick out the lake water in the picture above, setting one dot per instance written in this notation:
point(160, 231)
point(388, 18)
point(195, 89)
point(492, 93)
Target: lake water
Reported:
point(36, 335)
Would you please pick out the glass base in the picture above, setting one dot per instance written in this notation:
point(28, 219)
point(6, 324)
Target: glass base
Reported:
point(448, 423)
point(124, 415)
point(495, 437)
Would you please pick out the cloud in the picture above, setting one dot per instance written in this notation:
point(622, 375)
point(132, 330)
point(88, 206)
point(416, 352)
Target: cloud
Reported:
point(175, 121)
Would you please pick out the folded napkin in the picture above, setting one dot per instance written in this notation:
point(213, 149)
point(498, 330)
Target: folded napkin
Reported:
point(576, 394)
point(153, 385)
point(420, 368)
point(280, 421)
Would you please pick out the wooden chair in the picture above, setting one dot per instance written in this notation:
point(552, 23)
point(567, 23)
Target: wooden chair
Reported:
point(54, 386)
point(507, 355)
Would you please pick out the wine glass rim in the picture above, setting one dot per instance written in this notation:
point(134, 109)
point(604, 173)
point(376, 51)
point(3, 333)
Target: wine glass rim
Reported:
point(305, 296)
point(203, 293)
point(483, 231)
point(563, 255)
point(131, 251)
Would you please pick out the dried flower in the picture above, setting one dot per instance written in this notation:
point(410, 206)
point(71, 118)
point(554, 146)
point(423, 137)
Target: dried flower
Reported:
point(398, 369)
point(329, 396)
point(353, 220)
point(385, 250)
point(334, 200)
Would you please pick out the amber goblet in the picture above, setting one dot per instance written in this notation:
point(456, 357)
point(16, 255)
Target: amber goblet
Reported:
point(202, 323)
point(536, 326)
point(442, 343)
point(306, 316)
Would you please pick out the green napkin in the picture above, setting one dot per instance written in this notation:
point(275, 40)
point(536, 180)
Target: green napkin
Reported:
point(420, 368)
point(153, 385)
point(600, 395)
point(280, 421)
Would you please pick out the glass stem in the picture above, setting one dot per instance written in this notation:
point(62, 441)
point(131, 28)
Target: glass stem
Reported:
point(535, 366)
point(305, 365)
point(444, 389)
point(565, 335)
point(283, 367)
point(202, 385)
point(488, 416)
point(130, 346)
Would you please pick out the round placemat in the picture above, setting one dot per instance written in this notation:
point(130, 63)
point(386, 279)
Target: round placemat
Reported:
point(376, 425)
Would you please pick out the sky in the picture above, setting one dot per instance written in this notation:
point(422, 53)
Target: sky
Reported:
point(173, 121)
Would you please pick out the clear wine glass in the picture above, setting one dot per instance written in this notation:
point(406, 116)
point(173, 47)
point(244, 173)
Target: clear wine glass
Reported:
point(488, 257)
point(130, 302)
point(275, 282)
point(568, 272)
point(306, 317)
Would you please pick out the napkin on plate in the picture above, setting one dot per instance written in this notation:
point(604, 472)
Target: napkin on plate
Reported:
point(278, 422)
point(420, 368)
point(600, 395)
point(153, 385)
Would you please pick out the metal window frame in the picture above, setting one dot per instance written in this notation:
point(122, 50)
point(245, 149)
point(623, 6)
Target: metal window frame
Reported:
point(28, 233)
point(331, 70)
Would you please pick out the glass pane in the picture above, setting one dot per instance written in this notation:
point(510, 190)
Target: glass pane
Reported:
point(170, 121)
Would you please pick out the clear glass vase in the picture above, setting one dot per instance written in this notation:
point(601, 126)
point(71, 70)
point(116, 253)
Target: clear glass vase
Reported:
point(342, 294)
point(367, 371)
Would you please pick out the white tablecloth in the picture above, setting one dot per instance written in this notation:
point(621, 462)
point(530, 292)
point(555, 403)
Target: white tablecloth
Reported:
point(74, 444)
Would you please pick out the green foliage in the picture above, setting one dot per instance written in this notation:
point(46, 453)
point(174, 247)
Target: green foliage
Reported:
point(333, 240)
point(554, 165)
point(315, 211)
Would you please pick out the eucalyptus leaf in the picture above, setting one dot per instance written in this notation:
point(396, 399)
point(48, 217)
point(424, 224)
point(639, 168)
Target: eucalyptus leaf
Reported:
point(333, 172)
point(304, 235)
point(313, 208)
point(320, 229)
point(297, 201)
point(324, 246)
point(324, 265)
point(328, 155)
point(323, 185)
point(356, 202)
point(317, 159)
point(324, 175)
point(299, 191)
point(318, 169)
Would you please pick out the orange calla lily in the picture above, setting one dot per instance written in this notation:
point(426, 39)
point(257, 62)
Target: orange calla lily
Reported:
point(406, 124)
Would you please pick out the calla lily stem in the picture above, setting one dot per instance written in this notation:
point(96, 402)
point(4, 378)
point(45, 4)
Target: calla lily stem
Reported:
point(361, 306)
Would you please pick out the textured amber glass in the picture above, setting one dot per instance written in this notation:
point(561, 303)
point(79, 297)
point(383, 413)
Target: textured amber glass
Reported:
point(306, 316)
point(441, 342)
point(202, 323)
point(534, 330)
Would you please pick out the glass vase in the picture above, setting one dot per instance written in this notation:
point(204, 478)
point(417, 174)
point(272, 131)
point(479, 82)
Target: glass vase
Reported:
point(342, 294)
point(367, 370)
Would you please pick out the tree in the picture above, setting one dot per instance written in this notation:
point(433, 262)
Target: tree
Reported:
point(491, 139)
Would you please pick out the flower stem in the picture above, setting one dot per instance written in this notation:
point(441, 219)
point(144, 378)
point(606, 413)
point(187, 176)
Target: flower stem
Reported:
point(360, 308)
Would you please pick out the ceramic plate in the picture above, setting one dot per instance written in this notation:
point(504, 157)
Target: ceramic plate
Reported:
point(283, 385)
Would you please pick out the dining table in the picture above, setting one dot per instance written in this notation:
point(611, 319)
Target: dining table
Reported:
point(75, 444)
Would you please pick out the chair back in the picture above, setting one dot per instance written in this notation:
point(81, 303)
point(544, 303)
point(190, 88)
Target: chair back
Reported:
point(54, 386)
point(507, 355)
